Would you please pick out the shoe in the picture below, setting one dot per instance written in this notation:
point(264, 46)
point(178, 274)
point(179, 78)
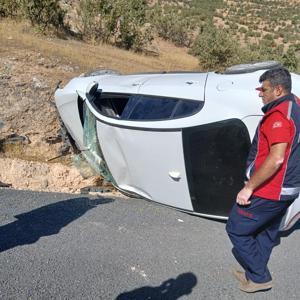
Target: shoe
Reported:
point(239, 275)
point(252, 287)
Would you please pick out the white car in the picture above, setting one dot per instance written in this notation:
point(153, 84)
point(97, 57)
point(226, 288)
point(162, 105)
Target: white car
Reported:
point(179, 139)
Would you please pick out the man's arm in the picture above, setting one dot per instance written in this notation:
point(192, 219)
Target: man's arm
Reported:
point(268, 168)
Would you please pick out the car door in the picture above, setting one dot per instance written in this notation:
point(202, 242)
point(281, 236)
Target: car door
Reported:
point(142, 145)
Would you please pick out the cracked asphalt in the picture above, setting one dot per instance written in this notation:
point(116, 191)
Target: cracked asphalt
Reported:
point(66, 246)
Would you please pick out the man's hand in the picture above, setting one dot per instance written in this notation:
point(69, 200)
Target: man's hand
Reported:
point(269, 167)
point(244, 195)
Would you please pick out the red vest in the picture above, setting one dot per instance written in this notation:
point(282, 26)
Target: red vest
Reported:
point(280, 124)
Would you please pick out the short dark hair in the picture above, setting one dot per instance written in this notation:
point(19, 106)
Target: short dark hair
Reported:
point(278, 76)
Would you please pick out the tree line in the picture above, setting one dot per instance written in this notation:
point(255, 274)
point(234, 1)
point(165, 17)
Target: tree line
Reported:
point(132, 24)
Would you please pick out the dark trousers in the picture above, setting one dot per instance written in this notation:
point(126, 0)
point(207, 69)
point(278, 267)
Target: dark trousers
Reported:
point(253, 231)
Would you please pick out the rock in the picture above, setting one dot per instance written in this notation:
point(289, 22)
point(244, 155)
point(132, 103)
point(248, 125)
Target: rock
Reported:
point(69, 69)
point(50, 65)
point(20, 84)
point(41, 61)
point(44, 184)
point(4, 76)
point(37, 84)
point(2, 184)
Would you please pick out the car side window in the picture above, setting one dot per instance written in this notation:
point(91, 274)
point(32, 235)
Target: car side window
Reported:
point(111, 105)
point(187, 108)
point(145, 107)
point(151, 108)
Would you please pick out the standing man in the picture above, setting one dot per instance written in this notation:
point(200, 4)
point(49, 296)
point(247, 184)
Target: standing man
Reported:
point(273, 171)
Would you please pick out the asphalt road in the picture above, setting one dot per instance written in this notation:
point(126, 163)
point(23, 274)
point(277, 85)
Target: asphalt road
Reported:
point(62, 246)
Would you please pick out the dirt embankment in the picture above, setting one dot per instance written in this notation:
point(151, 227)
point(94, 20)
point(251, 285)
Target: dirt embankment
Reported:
point(29, 137)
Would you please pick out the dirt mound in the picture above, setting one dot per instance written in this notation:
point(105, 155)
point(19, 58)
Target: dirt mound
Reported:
point(29, 135)
point(27, 84)
point(39, 176)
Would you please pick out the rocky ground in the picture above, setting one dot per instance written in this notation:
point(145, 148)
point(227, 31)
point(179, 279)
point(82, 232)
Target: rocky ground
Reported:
point(31, 147)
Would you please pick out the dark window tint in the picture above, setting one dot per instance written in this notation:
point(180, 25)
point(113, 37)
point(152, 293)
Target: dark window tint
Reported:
point(132, 102)
point(187, 108)
point(148, 108)
point(151, 108)
point(141, 107)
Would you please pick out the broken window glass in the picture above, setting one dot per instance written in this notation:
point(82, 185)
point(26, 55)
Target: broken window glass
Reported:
point(93, 155)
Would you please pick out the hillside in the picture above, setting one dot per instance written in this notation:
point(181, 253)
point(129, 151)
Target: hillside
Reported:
point(269, 20)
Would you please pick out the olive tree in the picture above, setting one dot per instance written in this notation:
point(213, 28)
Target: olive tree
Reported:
point(120, 22)
point(215, 49)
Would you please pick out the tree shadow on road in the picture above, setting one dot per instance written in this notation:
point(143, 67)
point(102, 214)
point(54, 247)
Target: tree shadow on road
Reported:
point(169, 290)
point(44, 221)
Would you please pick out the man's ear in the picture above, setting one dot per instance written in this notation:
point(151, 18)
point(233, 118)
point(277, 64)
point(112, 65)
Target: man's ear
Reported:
point(279, 90)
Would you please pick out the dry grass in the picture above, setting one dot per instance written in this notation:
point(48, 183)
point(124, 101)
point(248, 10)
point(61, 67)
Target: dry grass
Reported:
point(87, 56)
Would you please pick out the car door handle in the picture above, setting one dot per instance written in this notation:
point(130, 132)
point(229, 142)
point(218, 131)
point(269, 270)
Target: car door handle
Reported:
point(175, 175)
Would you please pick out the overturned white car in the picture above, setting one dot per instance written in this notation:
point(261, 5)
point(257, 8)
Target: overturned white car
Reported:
point(179, 139)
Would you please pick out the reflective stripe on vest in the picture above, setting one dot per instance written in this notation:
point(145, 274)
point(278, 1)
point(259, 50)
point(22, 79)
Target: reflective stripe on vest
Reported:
point(290, 191)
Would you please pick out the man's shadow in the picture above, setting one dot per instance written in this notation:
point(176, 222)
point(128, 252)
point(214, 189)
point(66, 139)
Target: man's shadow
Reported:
point(169, 290)
point(43, 221)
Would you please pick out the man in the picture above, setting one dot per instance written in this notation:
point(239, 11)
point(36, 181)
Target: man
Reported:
point(273, 171)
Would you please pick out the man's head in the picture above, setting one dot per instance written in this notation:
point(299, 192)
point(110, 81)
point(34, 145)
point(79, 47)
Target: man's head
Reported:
point(275, 84)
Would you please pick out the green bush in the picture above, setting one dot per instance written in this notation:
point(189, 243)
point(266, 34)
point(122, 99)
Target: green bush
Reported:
point(285, 40)
point(215, 49)
point(129, 27)
point(264, 51)
point(268, 36)
point(290, 60)
point(258, 34)
point(43, 13)
point(234, 26)
point(297, 47)
point(243, 29)
point(251, 33)
point(93, 26)
point(172, 26)
point(120, 22)
point(9, 8)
